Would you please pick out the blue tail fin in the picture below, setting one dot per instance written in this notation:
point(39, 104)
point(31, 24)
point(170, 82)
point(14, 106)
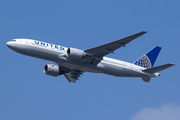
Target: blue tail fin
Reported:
point(148, 60)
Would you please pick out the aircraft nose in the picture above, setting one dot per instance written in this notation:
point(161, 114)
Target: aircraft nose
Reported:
point(11, 45)
point(7, 44)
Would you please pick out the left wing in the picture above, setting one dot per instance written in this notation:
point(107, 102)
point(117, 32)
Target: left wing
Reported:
point(96, 54)
point(73, 75)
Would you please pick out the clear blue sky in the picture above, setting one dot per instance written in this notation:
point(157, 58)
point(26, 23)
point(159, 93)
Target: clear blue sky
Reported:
point(26, 93)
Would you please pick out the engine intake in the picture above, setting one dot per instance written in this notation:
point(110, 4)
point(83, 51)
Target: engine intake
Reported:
point(75, 54)
point(52, 70)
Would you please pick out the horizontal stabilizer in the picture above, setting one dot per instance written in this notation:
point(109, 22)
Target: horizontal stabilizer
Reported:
point(158, 68)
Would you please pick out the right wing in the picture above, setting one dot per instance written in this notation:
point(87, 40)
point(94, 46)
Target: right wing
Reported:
point(97, 53)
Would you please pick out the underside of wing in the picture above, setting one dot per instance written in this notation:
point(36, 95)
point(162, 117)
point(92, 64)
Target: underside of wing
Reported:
point(73, 75)
point(97, 53)
point(146, 79)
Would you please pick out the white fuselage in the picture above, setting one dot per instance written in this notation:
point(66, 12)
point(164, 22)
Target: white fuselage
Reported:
point(58, 54)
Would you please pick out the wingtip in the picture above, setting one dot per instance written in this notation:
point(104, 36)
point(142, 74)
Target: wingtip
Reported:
point(172, 64)
point(144, 31)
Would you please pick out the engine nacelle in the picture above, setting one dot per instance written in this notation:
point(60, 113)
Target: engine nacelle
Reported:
point(75, 54)
point(52, 70)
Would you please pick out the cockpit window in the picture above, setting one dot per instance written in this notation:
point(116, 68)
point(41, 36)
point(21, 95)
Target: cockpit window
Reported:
point(13, 40)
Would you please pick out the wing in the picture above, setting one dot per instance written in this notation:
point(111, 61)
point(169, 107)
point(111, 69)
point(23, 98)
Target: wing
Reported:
point(96, 54)
point(73, 75)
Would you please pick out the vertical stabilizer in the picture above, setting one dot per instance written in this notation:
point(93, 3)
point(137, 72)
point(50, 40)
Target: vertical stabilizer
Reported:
point(148, 60)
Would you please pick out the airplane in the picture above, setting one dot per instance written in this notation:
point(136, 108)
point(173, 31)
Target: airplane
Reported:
point(73, 62)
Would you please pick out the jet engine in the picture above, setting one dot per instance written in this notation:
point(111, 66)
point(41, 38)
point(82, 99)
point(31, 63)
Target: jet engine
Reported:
point(52, 70)
point(75, 54)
